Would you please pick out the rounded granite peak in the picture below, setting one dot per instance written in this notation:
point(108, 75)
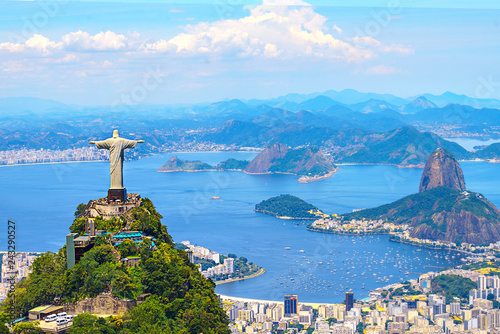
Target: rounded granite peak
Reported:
point(442, 169)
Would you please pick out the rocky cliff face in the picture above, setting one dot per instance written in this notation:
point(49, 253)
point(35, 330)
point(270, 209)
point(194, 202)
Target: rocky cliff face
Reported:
point(174, 163)
point(304, 161)
point(266, 158)
point(460, 225)
point(442, 169)
point(469, 218)
point(443, 210)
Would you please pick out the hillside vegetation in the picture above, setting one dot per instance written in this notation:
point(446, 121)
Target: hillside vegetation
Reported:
point(287, 206)
point(181, 301)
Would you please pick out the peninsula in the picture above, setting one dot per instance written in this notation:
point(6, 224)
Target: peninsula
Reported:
point(307, 162)
point(174, 164)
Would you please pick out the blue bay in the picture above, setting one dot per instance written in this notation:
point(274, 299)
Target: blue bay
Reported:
point(41, 200)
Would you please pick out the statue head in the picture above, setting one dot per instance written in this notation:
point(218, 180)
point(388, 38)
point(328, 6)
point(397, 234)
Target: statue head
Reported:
point(115, 133)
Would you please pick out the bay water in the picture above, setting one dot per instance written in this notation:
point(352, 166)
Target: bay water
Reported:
point(41, 200)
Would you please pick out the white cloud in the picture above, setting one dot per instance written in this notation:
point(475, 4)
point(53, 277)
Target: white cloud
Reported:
point(68, 58)
point(106, 64)
point(102, 41)
point(277, 28)
point(366, 40)
point(79, 41)
point(16, 66)
point(401, 49)
point(382, 70)
point(38, 43)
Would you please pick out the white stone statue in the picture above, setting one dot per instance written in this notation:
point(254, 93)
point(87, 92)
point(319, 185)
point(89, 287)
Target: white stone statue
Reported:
point(116, 146)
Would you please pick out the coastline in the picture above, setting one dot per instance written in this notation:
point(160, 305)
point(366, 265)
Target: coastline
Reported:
point(381, 164)
point(250, 300)
point(423, 245)
point(199, 170)
point(309, 179)
point(342, 233)
point(50, 163)
point(189, 171)
point(430, 247)
point(281, 217)
point(313, 178)
point(257, 274)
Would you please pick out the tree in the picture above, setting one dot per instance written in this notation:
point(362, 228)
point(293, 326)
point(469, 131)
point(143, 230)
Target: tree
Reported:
point(27, 328)
point(78, 226)
point(4, 318)
point(491, 297)
point(182, 300)
point(87, 323)
point(453, 286)
point(79, 209)
point(127, 248)
point(43, 284)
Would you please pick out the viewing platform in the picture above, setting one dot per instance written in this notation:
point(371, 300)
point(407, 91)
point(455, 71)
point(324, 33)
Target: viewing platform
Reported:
point(102, 207)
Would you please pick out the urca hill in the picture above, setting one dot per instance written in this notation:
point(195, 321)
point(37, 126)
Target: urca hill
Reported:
point(308, 162)
point(443, 209)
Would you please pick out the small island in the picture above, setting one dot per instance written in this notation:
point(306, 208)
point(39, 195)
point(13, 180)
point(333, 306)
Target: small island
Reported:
point(308, 162)
point(288, 207)
point(174, 164)
point(232, 164)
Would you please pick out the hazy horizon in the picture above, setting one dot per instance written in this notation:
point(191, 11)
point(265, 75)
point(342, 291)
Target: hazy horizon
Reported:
point(95, 53)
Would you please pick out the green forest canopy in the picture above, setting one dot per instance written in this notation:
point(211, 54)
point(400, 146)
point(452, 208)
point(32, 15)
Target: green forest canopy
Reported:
point(182, 300)
point(286, 206)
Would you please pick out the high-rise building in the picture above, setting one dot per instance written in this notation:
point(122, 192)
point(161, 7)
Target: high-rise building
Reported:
point(439, 308)
point(481, 282)
point(455, 308)
point(229, 263)
point(291, 305)
point(349, 300)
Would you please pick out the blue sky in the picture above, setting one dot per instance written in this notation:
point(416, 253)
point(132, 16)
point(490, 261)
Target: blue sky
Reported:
point(161, 52)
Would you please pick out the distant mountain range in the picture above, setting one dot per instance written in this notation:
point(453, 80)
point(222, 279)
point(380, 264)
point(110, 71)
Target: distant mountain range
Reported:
point(10, 106)
point(354, 127)
point(292, 102)
point(404, 146)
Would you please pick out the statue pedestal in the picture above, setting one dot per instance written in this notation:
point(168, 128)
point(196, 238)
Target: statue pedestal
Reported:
point(117, 195)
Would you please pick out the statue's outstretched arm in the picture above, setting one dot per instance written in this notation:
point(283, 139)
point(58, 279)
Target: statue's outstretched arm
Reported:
point(140, 141)
point(92, 142)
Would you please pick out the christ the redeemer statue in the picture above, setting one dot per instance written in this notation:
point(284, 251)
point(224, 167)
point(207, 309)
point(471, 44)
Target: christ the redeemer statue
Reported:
point(116, 147)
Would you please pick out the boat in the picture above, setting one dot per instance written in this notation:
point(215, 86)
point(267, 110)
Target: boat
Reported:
point(302, 251)
point(287, 248)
